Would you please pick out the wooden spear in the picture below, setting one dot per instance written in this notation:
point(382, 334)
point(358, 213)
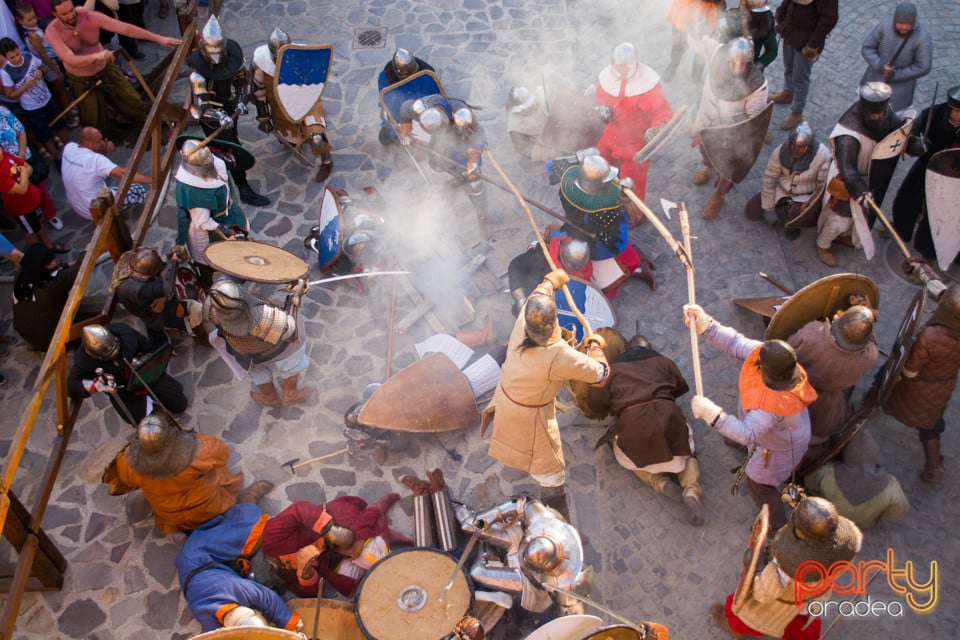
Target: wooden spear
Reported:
point(677, 248)
point(79, 99)
point(692, 295)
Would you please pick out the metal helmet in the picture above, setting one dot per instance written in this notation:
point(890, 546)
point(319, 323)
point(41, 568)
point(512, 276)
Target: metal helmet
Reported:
point(947, 312)
point(739, 52)
point(338, 537)
point(815, 519)
point(195, 155)
point(757, 5)
point(623, 53)
point(231, 305)
point(639, 340)
point(469, 628)
point(874, 97)
point(778, 364)
point(953, 98)
point(244, 617)
point(519, 99)
point(853, 329)
point(574, 254)
point(277, 40)
point(464, 121)
point(404, 64)
point(155, 433)
point(213, 44)
point(801, 136)
point(433, 119)
point(594, 173)
point(540, 318)
point(146, 262)
point(99, 342)
point(543, 554)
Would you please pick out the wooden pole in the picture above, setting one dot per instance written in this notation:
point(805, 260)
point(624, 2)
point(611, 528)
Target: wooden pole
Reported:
point(893, 232)
point(136, 72)
point(587, 330)
point(692, 296)
point(677, 248)
point(75, 102)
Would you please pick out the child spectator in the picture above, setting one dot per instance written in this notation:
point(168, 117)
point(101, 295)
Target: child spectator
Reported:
point(37, 44)
point(22, 78)
point(13, 140)
point(21, 199)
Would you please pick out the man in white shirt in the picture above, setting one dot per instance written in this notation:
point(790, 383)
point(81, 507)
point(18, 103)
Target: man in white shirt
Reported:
point(85, 169)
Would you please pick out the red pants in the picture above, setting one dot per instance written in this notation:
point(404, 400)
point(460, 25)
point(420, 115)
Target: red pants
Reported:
point(794, 630)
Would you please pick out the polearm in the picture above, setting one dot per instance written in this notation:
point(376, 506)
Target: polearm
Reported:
point(77, 101)
point(213, 134)
point(677, 248)
point(582, 231)
point(691, 295)
point(893, 232)
point(587, 330)
point(154, 396)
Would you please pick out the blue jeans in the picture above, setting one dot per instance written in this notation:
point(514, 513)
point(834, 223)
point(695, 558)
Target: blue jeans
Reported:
point(796, 76)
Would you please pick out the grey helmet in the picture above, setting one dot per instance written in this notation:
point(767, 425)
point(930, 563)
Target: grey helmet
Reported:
point(543, 554)
point(739, 53)
point(433, 119)
point(99, 342)
point(519, 99)
point(464, 120)
point(213, 44)
point(197, 160)
point(853, 329)
point(801, 137)
point(874, 97)
point(574, 254)
point(624, 54)
point(953, 97)
point(594, 173)
point(277, 40)
point(232, 306)
point(404, 64)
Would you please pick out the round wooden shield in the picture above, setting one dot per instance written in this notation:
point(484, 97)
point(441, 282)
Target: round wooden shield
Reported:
point(249, 633)
point(615, 632)
point(819, 300)
point(337, 620)
point(567, 628)
point(399, 597)
point(256, 262)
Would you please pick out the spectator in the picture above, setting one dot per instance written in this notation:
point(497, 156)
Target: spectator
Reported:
point(37, 44)
point(22, 79)
point(13, 140)
point(804, 27)
point(131, 12)
point(14, 255)
point(40, 292)
point(21, 199)
point(85, 169)
point(898, 52)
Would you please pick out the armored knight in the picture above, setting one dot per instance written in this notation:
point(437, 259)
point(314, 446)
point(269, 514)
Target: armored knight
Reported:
point(866, 146)
point(527, 270)
point(206, 209)
point(735, 90)
point(630, 93)
point(311, 129)
point(591, 200)
point(835, 353)
point(527, 545)
point(815, 534)
point(526, 118)
point(402, 65)
point(459, 140)
point(183, 475)
point(795, 172)
point(220, 89)
point(261, 337)
point(147, 289)
point(103, 364)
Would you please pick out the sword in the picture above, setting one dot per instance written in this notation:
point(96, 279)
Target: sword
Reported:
point(120, 404)
point(415, 163)
point(154, 396)
point(463, 560)
point(358, 275)
point(926, 128)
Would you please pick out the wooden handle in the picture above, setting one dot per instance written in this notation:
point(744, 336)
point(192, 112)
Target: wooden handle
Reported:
point(692, 296)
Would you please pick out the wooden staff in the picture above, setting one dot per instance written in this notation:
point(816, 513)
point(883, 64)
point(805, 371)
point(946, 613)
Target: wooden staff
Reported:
point(136, 72)
point(76, 102)
point(893, 232)
point(543, 245)
point(214, 134)
point(678, 249)
point(692, 295)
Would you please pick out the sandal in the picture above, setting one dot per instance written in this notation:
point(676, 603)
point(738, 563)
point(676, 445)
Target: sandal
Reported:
point(164, 9)
point(60, 247)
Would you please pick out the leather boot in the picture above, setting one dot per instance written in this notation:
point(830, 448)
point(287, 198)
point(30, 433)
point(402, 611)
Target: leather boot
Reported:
point(255, 491)
point(556, 498)
point(704, 176)
point(266, 395)
point(933, 468)
point(718, 613)
point(826, 257)
point(249, 196)
point(782, 97)
point(714, 203)
point(326, 168)
point(647, 269)
point(692, 492)
point(792, 120)
point(293, 395)
point(478, 337)
point(660, 483)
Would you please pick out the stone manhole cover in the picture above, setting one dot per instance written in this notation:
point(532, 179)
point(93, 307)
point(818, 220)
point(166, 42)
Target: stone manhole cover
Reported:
point(369, 38)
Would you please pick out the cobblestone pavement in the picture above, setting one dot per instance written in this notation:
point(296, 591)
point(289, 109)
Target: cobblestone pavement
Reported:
point(650, 565)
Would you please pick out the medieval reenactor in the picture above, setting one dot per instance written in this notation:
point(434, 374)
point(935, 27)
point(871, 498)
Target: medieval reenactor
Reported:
point(772, 419)
point(760, 28)
point(104, 364)
point(929, 376)
point(225, 577)
point(937, 128)
point(687, 18)
point(591, 200)
point(769, 606)
point(262, 337)
point(867, 142)
point(311, 129)
point(858, 485)
point(402, 64)
point(334, 542)
point(526, 435)
point(636, 109)
point(528, 269)
point(796, 172)
point(40, 292)
point(220, 88)
point(526, 119)
point(146, 287)
point(206, 209)
point(835, 353)
point(734, 91)
point(651, 436)
point(183, 475)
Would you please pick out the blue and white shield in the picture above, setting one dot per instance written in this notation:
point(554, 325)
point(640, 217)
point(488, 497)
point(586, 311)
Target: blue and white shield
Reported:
point(419, 85)
point(595, 306)
point(331, 229)
point(301, 76)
